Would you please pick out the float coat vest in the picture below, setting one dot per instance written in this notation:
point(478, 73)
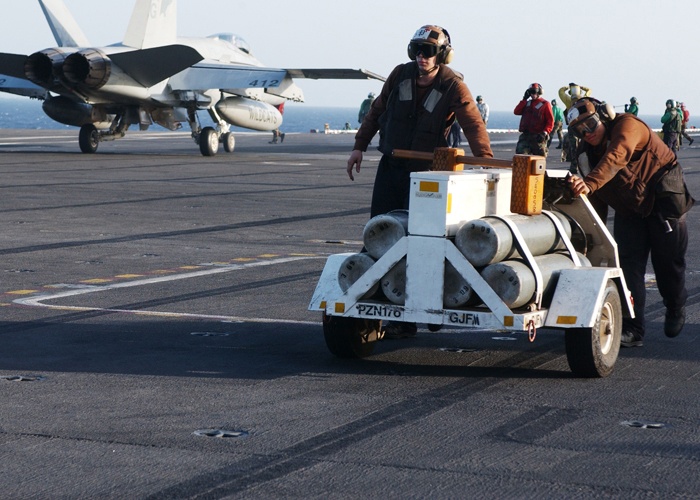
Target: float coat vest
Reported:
point(407, 124)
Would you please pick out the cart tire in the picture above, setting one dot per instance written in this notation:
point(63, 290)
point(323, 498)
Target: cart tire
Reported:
point(350, 337)
point(592, 352)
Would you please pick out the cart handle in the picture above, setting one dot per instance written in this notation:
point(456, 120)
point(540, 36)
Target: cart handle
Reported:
point(467, 160)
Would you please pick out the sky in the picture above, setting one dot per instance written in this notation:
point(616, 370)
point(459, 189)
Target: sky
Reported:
point(618, 48)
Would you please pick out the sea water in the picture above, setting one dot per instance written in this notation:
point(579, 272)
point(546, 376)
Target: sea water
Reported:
point(25, 113)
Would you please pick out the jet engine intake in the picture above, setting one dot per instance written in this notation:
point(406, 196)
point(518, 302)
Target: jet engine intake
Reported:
point(89, 67)
point(247, 113)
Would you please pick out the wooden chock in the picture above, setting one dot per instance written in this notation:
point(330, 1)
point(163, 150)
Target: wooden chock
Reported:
point(528, 184)
point(445, 159)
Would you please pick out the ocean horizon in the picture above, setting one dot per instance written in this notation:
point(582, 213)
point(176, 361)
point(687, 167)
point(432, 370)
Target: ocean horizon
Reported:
point(25, 113)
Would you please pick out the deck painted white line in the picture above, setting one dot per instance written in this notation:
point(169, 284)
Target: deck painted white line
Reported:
point(38, 300)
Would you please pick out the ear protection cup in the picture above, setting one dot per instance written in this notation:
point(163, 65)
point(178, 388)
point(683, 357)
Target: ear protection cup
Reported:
point(606, 111)
point(447, 52)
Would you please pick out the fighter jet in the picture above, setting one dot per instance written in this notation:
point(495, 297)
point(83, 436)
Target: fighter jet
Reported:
point(154, 76)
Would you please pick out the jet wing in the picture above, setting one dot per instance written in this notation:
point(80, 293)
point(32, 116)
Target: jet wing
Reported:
point(335, 74)
point(12, 65)
point(150, 66)
point(12, 79)
point(20, 86)
point(205, 76)
point(211, 75)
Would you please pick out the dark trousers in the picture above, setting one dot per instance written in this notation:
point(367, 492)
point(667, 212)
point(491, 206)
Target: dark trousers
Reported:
point(639, 237)
point(556, 130)
point(530, 144)
point(392, 186)
point(684, 134)
point(671, 140)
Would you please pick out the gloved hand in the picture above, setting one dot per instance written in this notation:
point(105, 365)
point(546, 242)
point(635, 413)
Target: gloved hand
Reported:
point(527, 94)
point(543, 137)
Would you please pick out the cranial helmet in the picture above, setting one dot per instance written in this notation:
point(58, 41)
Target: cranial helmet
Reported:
point(633, 100)
point(478, 98)
point(580, 111)
point(429, 35)
point(587, 107)
point(554, 102)
point(671, 102)
point(535, 88)
point(370, 95)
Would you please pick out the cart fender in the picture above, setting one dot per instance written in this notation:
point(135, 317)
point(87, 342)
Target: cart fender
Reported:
point(327, 287)
point(579, 296)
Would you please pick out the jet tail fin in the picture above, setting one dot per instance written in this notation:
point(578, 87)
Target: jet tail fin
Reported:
point(153, 24)
point(64, 28)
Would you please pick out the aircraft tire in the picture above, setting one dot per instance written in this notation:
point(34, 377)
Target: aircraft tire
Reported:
point(208, 142)
point(88, 138)
point(229, 142)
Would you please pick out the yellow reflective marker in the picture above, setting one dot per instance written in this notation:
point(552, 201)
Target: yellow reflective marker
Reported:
point(449, 203)
point(508, 321)
point(429, 186)
point(21, 292)
point(128, 275)
point(339, 307)
point(323, 305)
point(96, 280)
point(567, 320)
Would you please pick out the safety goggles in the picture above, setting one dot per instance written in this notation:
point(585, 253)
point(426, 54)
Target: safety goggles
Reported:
point(587, 126)
point(425, 49)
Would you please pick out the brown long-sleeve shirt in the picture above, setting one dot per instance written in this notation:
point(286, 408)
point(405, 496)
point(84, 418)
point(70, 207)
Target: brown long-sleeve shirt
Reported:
point(625, 165)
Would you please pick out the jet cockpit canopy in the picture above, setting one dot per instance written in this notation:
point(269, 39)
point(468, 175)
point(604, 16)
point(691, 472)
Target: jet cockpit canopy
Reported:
point(233, 39)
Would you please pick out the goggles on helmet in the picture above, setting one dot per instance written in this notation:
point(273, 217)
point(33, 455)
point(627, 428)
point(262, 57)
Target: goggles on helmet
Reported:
point(586, 126)
point(425, 49)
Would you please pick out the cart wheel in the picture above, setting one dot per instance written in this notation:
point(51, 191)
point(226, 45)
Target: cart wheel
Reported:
point(350, 337)
point(592, 352)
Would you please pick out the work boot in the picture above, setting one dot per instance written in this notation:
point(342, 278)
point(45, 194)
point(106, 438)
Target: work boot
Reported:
point(631, 339)
point(673, 324)
point(690, 141)
point(281, 137)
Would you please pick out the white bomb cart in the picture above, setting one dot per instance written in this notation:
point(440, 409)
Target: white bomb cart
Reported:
point(574, 284)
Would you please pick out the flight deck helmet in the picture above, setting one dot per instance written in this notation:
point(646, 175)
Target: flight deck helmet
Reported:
point(535, 89)
point(431, 40)
point(586, 114)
